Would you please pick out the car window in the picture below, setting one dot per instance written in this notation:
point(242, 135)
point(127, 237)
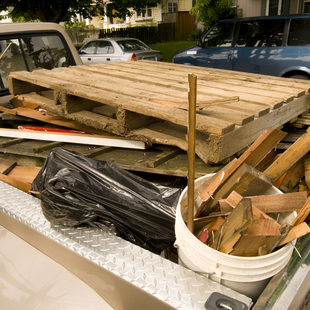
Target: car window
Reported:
point(299, 33)
point(261, 33)
point(11, 59)
point(89, 48)
point(132, 45)
point(219, 36)
point(27, 52)
point(104, 47)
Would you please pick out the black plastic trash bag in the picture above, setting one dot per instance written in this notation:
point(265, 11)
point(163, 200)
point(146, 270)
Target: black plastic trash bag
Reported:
point(77, 190)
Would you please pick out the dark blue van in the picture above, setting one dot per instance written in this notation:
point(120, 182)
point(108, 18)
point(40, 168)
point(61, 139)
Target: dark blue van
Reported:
point(274, 45)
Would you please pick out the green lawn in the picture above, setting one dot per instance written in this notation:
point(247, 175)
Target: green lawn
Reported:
point(169, 49)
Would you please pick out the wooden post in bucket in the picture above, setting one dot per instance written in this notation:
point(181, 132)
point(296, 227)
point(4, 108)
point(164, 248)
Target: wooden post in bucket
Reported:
point(191, 138)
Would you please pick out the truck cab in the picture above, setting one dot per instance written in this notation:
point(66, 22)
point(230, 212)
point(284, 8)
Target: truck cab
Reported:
point(30, 46)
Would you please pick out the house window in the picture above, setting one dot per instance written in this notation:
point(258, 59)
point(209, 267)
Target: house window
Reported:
point(145, 13)
point(273, 7)
point(172, 7)
point(306, 8)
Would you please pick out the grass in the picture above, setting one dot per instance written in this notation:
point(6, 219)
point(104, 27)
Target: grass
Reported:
point(169, 49)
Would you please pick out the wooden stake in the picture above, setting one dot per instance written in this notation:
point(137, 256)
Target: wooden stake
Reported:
point(191, 136)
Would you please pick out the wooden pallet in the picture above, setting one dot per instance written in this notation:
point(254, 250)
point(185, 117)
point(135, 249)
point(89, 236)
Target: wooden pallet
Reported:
point(148, 100)
point(157, 160)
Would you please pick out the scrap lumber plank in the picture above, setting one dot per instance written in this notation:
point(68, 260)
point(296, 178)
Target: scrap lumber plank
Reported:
point(48, 146)
point(292, 177)
point(260, 236)
point(161, 158)
point(25, 174)
point(303, 213)
point(72, 138)
point(252, 156)
point(6, 165)
point(6, 110)
point(295, 232)
point(230, 231)
point(98, 151)
point(11, 142)
point(50, 118)
point(277, 203)
point(245, 180)
point(232, 200)
point(25, 187)
point(287, 159)
point(257, 244)
point(178, 116)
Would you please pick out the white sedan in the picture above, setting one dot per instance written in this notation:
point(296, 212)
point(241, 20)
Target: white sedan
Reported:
point(115, 50)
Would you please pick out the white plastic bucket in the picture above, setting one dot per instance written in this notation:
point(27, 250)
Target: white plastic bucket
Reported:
point(247, 275)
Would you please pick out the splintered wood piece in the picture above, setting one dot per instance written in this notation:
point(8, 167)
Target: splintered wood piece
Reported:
point(252, 156)
point(230, 202)
point(303, 213)
point(230, 231)
point(278, 203)
point(260, 237)
point(246, 181)
point(287, 159)
point(295, 232)
point(6, 165)
point(253, 245)
point(292, 177)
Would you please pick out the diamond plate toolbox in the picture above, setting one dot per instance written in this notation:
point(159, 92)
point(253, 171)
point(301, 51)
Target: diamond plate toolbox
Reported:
point(125, 267)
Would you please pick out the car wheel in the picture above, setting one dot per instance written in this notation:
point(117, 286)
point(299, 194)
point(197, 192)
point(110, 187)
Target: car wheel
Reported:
point(299, 77)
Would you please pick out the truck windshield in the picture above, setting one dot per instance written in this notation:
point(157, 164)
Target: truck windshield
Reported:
point(28, 52)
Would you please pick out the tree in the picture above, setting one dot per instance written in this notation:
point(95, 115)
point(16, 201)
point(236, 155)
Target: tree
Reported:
point(210, 11)
point(64, 10)
point(120, 8)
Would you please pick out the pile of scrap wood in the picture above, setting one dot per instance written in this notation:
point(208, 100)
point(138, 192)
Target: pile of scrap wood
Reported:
point(148, 101)
point(240, 211)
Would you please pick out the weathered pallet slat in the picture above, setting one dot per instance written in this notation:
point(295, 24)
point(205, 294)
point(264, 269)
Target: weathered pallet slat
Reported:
point(236, 75)
point(148, 101)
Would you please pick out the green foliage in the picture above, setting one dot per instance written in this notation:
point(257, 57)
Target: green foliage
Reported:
point(74, 23)
point(120, 8)
point(210, 11)
point(64, 10)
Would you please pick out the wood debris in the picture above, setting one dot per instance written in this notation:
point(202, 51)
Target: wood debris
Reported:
point(148, 101)
point(254, 220)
